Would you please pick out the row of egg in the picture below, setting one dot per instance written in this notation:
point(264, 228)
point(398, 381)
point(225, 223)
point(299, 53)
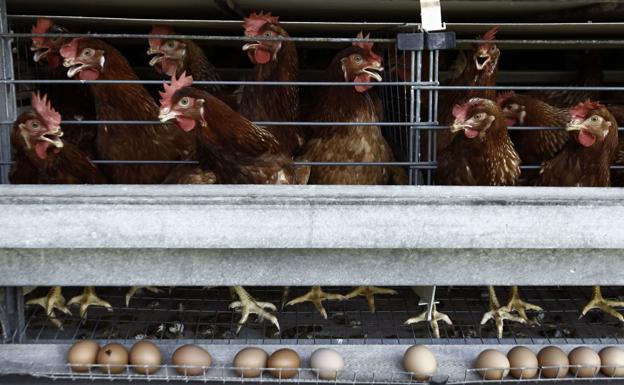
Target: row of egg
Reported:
point(521, 362)
point(191, 360)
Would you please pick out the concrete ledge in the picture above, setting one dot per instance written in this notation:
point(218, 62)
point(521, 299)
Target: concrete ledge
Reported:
point(330, 235)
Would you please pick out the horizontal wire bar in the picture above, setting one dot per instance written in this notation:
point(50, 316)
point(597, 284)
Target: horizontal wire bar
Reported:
point(428, 126)
point(221, 82)
point(414, 165)
point(260, 123)
point(198, 37)
point(420, 85)
point(543, 41)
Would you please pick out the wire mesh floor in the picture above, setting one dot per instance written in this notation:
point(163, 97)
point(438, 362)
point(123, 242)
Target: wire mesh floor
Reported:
point(202, 315)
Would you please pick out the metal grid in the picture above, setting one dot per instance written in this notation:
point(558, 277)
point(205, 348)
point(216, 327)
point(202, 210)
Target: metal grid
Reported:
point(196, 315)
point(410, 105)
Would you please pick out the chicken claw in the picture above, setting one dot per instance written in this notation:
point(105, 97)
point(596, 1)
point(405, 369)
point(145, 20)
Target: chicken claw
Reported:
point(317, 296)
point(53, 300)
point(369, 292)
point(606, 305)
point(436, 316)
point(499, 314)
point(248, 305)
point(518, 305)
point(88, 298)
point(134, 289)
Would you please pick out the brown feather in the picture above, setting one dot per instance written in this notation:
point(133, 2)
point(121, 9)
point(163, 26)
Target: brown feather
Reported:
point(487, 161)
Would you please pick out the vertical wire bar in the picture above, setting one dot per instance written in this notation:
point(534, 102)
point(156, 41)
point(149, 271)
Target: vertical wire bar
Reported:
point(8, 100)
point(436, 73)
point(412, 139)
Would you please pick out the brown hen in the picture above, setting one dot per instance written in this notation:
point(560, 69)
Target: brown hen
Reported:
point(357, 144)
point(274, 61)
point(42, 157)
point(585, 162)
point(482, 154)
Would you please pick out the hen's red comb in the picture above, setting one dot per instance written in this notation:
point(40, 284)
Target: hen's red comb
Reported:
point(366, 46)
point(159, 30)
point(490, 35)
point(255, 21)
point(166, 98)
point(582, 110)
point(43, 26)
point(504, 96)
point(42, 105)
point(70, 50)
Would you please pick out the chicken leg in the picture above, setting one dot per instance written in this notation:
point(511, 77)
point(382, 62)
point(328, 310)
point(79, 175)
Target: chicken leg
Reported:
point(436, 316)
point(369, 292)
point(499, 314)
point(316, 295)
point(247, 305)
point(599, 302)
point(134, 289)
point(89, 298)
point(53, 300)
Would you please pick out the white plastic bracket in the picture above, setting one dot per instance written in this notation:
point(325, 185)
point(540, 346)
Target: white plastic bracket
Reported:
point(431, 16)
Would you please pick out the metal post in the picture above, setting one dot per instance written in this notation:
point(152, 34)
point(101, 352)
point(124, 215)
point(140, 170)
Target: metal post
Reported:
point(8, 103)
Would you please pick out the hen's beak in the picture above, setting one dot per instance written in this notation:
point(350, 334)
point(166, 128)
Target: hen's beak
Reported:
point(481, 60)
point(39, 53)
point(54, 137)
point(574, 127)
point(458, 126)
point(250, 46)
point(166, 115)
point(373, 71)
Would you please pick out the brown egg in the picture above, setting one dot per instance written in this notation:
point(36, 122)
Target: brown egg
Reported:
point(191, 355)
point(284, 359)
point(250, 362)
point(522, 357)
point(419, 360)
point(587, 358)
point(612, 359)
point(495, 365)
point(146, 356)
point(555, 358)
point(115, 356)
point(82, 354)
point(328, 361)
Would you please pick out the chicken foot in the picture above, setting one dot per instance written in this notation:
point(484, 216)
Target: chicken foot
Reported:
point(247, 305)
point(316, 295)
point(134, 289)
point(519, 306)
point(499, 314)
point(369, 292)
point(606, 305)
point(53, 300)
point(88, 298)
point(436, 316)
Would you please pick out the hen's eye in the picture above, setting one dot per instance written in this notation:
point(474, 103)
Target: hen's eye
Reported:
point(479, 116)
point(184, 102)
point(267, 34)
point(87, 52)
point(35, 125)
point(169, 44)
point(594, 119)
point(358, 58)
